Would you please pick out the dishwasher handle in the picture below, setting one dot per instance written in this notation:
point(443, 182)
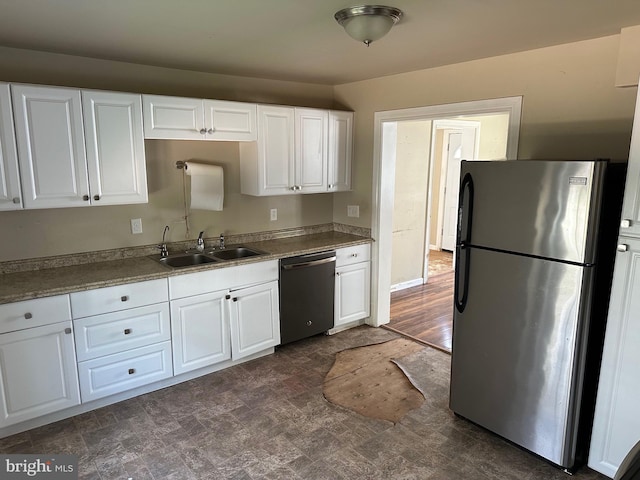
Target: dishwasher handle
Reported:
point(311, 263)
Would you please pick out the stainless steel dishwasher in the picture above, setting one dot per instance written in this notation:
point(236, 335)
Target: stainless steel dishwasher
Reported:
point(307, 285)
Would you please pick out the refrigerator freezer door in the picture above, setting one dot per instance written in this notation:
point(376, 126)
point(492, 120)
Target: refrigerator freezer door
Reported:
point(543, 208)
point(517, 349)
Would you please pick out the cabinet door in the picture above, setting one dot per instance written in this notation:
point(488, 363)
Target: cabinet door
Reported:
point(235, 121)
point(174, 118)
point(255, 319)
point(115, 148)
point(340, 151)
point(275, 150)
point(630, 224)
point(616, 426)
point(311, 133)
point(51, 152)
point(38, 372)
point(200, 331)
point(10, 195)
point(352, 293)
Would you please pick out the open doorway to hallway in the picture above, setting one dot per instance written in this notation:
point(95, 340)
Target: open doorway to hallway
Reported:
point(426, 159)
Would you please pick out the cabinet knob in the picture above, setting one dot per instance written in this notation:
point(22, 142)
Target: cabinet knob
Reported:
point(127, 331)
point(85, 198)
point(16, 200)
point(625, 223)
point(28, 315)
point(235, 299)
point(124, 298)
point(96, 197)
point(622, 247)
point(309, 323)
point(203, 131)
point(210, 131)
point(354, 255)
point(132, 371)
point(227, 297)
point(67, 330)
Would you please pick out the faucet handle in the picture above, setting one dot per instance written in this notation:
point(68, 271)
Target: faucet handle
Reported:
point(200, 242)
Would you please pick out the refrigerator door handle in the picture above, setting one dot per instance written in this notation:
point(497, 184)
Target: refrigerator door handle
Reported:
point(461, 284)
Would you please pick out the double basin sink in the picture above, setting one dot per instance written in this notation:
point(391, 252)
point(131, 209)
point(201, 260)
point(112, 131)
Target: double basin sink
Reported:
point(182, 260)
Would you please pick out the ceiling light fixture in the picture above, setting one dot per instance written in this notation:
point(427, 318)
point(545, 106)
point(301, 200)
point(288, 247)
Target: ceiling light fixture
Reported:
point(367, 23)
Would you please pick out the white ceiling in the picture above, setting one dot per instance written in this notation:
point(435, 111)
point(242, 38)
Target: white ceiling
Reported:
point(299, 40)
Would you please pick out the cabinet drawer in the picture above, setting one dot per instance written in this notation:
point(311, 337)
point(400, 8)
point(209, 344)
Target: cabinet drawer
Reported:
point(117, 373)
point(119, 331)
point(222, 278)
point(120, 297)
point(34, 313)
point(355, 254)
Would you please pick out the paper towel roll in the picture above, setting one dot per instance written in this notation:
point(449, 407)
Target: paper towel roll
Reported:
point(207, 185)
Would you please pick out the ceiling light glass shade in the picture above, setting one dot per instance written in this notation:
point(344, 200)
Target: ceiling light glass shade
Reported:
point(367, 23)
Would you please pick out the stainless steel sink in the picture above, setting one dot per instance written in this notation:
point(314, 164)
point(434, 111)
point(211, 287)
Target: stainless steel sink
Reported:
point(186, 260)
point(234, 253)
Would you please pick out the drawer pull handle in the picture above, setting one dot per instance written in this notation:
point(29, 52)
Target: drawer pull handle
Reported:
point(127, 331)
point(132, 371)
point(67, 330)
point(124, 298)
point(28, 315)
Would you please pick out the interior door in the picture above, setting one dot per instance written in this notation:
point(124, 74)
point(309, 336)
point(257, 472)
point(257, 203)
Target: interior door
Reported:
point(461, 145)
point(454, 157)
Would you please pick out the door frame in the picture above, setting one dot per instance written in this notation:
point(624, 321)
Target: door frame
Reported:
point(384, 157)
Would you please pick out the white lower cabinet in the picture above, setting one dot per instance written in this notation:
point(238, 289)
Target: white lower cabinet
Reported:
point(122, 338)
point(353, 284)
point(255, 319)
point(200, 331)
point(38, 372)
point(616, 427)
point(237, 318)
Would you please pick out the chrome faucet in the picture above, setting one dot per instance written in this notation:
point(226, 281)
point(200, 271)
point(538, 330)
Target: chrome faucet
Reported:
point(163, 246)
point(222, 241)
point(200, 243)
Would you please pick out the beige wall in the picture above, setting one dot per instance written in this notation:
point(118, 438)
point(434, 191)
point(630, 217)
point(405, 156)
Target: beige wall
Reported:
point(571, 108)
point(38, 233)
point(410, 203)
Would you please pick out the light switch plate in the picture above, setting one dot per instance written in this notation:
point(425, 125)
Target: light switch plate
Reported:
point(136, 226)
point(274, 214)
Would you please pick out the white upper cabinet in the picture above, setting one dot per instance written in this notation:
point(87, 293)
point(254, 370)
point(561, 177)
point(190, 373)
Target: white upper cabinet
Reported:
point(51, 151)
point(294, 152)
point(630, 224)
point(56, 169)
point(115, 147)
point(10, 195)
point(266, 166)
point(311, 135)
point(235, 121)
point(181, 118)
point(340, 151)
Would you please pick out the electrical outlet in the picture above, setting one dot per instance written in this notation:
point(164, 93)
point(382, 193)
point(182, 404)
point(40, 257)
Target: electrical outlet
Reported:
point(136, 226)
point(274, 214)
point(353, 210)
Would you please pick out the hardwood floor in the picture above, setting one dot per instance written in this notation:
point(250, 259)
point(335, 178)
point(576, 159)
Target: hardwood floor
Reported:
point(425, 313)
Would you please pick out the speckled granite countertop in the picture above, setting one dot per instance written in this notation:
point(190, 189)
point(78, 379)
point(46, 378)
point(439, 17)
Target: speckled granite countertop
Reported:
point(26, 285)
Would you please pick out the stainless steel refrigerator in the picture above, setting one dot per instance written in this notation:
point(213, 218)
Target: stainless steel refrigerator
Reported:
point(534, 261)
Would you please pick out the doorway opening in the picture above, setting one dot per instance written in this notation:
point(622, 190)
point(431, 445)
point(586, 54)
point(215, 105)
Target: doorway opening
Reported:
point(411, 221)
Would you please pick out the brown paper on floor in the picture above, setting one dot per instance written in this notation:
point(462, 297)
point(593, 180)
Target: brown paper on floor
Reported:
point(365, 380)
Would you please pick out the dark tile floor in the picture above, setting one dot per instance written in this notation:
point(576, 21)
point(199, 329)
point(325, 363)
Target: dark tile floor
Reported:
point(267, 419)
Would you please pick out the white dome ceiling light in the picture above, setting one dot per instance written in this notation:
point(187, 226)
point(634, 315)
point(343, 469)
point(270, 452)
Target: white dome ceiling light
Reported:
point(367, 23)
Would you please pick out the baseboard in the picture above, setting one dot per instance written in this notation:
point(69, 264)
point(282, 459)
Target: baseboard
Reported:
point(408, 284)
